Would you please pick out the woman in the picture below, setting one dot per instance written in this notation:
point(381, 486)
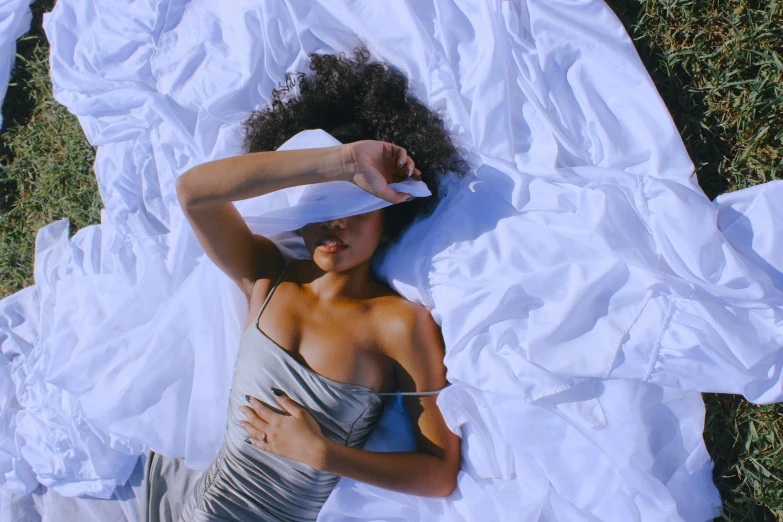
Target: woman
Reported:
point(335, 339)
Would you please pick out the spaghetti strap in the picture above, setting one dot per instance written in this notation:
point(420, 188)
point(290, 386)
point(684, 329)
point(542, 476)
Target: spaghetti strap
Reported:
point(415, 393)
point(279, 278)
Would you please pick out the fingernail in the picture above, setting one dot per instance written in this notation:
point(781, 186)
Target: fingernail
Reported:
point(277, 392)
point(410, 171)
point(401, 165)
point(248, 441)
point(247, 397)
point(238, 423)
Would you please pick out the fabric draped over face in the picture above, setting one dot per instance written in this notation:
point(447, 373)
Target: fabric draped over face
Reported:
point(279, 215)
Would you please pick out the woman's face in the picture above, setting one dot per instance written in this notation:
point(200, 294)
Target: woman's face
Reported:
point(360, 234)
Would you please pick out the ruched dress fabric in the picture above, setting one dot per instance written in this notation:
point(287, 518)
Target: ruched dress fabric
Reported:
point(248, 484)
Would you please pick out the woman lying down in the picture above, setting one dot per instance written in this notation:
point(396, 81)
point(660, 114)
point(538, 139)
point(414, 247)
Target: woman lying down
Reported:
point(325, 340)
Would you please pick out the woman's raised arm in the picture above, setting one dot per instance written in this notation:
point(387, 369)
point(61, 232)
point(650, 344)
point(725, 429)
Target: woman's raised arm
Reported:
point(207, 192)
point(257, 173)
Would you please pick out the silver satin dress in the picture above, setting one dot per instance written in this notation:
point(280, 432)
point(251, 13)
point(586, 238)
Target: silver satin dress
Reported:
point(247, 484)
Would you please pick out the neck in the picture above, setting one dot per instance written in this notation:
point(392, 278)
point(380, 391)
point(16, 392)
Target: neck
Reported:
point(353, 283)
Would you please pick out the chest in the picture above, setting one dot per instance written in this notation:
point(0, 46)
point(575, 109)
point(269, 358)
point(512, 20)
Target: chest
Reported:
point(339, 342)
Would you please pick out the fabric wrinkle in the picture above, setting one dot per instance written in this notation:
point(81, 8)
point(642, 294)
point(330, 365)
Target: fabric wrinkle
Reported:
point(578, 164)
point(244, 481)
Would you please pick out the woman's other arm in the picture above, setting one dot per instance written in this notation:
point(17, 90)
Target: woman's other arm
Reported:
point(432, 470)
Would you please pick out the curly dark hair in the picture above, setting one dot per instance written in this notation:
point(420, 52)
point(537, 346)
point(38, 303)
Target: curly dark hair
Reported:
point(353, 100)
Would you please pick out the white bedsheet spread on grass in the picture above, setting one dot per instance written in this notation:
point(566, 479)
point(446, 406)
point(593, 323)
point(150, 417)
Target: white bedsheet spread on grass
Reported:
point(586, 287)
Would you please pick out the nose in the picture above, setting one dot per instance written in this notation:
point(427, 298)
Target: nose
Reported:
point(336, 222)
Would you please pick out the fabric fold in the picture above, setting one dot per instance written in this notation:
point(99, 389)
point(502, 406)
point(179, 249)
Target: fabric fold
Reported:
point(15, 18)
point(586, 288)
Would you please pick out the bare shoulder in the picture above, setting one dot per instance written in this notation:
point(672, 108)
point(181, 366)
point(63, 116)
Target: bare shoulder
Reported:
point(260, 287)
point(395, 315)
point(409, 334)
point(269, 265)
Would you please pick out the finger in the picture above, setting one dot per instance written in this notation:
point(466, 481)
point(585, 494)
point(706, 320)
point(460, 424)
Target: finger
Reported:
point(254, 432)
point(411, 169)
point(251, 419)
point(400, 174)
point(407, 168)
point(402, 197)
point(402, 158)
point(289, 405)
point(262, 408)
point(253, 412)
point(387, 193)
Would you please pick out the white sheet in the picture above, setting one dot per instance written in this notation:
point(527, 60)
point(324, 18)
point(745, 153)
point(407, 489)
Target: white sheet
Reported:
point(586, 287)
point(15, 18)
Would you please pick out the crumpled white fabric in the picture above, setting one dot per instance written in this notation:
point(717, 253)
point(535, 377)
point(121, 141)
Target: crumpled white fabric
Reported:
point(586, 288)
point(15, 18)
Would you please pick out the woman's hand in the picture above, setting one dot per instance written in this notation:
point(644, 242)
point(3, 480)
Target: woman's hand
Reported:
point(373, 164)
point(296, 436)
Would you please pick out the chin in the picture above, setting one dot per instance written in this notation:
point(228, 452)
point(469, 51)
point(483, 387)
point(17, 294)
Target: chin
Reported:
point(330, 262)
point(325, 265)
point(335, 263)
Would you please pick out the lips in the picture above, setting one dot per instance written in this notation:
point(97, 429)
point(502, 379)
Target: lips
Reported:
point(331, 240)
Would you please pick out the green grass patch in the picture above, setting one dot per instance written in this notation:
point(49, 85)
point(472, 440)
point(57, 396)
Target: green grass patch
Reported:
point(45, 163)
point(717, 65)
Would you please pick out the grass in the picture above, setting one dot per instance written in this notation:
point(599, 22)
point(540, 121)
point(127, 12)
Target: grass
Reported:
point(45, 161)
point(718, 65)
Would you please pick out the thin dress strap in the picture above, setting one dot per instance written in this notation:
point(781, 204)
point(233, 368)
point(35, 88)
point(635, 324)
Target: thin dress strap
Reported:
point(415, 393)
point(279, 278)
